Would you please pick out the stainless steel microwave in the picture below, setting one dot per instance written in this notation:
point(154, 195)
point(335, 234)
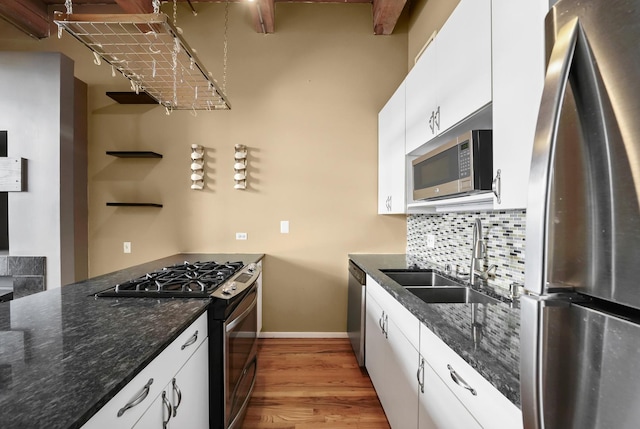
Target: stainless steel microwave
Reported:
point(460, 166)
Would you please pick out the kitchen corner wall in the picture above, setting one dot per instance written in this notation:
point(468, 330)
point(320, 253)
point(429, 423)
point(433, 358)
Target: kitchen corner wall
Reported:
point(503, 232)
point(305, 101)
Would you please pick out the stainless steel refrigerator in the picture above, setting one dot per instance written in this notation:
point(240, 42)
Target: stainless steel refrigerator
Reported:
point(580, 332)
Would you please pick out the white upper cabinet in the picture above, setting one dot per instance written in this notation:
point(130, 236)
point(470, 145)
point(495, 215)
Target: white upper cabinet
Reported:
point(464, 62)
point(518, 77)
point(421, 100)
point(391, 161)
point(452, 78)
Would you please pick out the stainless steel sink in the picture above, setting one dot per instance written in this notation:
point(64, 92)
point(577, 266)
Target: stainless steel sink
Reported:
point(451, 295)
point(419, 278)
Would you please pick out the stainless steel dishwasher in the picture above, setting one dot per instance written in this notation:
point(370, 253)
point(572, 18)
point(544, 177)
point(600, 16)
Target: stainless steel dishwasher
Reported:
point(356, 310)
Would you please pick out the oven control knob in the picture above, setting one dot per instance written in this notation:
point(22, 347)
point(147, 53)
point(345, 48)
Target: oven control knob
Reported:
point(252, 267)
point(233, 286)
point(226, 291)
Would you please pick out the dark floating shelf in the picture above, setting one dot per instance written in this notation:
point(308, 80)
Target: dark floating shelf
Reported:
point(134, 205)
point(133, 154)
point(126, 97)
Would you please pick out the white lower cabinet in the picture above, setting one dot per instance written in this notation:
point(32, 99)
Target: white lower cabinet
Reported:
point(391, 361)
point(420, 381)
point(439, 407)
point(193, 382)
point(183, 403)
point(485, 403)
point(140, 402)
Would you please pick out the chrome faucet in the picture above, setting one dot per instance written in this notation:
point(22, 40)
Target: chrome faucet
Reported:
point(478, 253)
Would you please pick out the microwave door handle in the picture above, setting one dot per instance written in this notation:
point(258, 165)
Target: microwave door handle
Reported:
point(555, 83)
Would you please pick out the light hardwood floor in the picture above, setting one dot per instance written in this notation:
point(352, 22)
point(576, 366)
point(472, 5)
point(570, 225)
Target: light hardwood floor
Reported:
point(311, 384)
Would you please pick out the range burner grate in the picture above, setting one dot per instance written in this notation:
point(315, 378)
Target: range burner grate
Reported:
point(187, 279)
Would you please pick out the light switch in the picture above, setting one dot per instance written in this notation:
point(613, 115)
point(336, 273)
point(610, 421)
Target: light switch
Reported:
point(241, 235)
point(284, 227)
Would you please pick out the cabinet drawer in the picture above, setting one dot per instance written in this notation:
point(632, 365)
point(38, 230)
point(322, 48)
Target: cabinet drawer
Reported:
point(149, 382)
point(405, 321)
point(440, 408)
point(489, 407)
point(186, 344)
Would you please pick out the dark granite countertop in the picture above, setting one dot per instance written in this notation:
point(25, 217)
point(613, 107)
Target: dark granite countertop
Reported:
point(65, 353)
point(495, 354)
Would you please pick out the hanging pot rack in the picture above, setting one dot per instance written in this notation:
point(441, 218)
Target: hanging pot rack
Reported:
point(149, 51)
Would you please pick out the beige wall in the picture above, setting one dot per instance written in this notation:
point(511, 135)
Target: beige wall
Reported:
point(426, 17)
point(305, 100)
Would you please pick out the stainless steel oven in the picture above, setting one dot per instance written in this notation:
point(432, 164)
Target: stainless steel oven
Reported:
point(240, 358)
point(234, 362)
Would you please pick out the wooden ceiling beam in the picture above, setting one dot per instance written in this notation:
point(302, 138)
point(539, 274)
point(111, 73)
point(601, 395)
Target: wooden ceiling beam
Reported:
point(263, 14)
point(136, 6)
point(386, 14)
point(30, 16)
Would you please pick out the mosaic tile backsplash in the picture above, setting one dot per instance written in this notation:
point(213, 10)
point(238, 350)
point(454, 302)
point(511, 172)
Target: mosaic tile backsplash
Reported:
point(503, 233)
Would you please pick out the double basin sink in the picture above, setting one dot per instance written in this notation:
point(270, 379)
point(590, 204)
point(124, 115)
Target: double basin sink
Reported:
point(433, 288)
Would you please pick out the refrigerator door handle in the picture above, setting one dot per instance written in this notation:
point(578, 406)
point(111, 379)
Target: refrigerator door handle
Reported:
point(530, 389)
point(555, 83)
point(534, 330)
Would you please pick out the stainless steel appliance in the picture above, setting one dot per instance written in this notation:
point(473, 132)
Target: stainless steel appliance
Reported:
point(232, 323)
point(461, 166)
point(234, 331)
point(580, 333)
point(357, 293)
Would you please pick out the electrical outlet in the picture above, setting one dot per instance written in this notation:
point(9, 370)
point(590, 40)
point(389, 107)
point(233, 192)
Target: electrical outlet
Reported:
point(241, 235)
point(284, 227)
point(431, 241)
point(126, 247)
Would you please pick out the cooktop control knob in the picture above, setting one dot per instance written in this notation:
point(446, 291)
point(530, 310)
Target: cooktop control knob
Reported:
point(226, 290)
point(252, 267)
point(233, 286)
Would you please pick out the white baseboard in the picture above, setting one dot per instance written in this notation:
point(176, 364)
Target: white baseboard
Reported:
point(303, 335)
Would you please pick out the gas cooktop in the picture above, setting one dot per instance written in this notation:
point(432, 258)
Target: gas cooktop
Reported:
point(185, 280)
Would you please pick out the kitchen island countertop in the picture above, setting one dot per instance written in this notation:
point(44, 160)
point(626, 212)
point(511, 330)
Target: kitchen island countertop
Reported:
point(492, 349)
point(65, 353)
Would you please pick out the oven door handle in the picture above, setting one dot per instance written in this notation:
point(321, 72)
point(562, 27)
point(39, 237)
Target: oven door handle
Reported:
point(245, 313)
point(253, 362)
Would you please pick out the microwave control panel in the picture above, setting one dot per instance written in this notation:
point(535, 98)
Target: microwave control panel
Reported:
point(464, 159)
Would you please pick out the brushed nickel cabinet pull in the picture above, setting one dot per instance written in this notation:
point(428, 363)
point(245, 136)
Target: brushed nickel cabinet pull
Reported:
point(139, 398)
point(420, 375)
point(496, 187)
point(460, 381)
point(167, 404)
point(177, 391)
point(190, 341)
